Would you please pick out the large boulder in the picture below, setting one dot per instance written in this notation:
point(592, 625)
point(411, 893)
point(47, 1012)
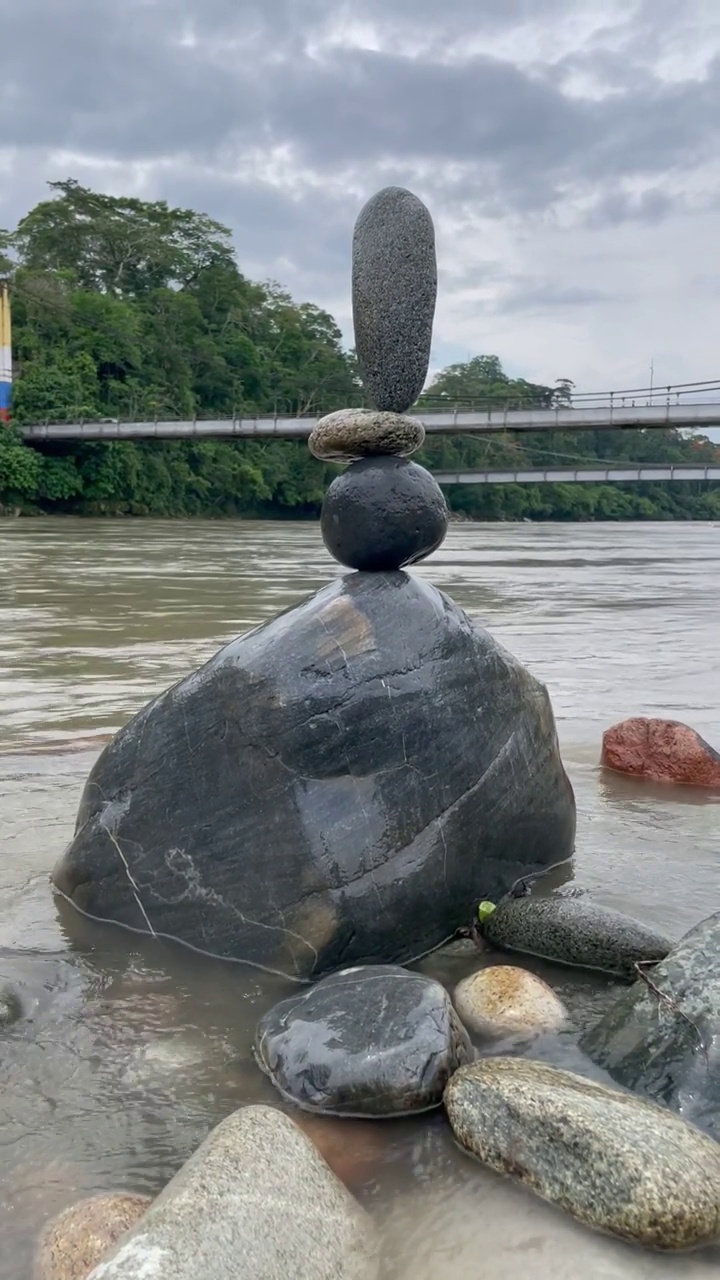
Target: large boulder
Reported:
point(661, 751)
point(255, 1200)
point(661, 1037)
point(341, 784)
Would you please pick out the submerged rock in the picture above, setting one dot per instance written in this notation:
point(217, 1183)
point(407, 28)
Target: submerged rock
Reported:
point(354, 1150)
point(376, 1040)
point(615, 1162)
point(350, 434)
point(337, 785)
point(574, 931)
point(394, 288)
point(664, 1040)
point(10, 1005)
point(661, 751)
point(256, 1199)
point(504, 1000)
point(383, 513)
point(74, 1242)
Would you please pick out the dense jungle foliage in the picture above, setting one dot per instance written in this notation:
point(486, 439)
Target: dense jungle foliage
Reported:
point(124, 309)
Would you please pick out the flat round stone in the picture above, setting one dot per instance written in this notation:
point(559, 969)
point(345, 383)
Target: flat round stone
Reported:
point(394, 288)
point(351, 434)
point(372, 1040)
point(383, 513)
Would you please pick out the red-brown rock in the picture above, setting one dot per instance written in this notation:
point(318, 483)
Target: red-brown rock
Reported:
point(661, 751)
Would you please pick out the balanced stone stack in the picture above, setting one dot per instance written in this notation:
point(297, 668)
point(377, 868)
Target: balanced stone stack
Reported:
point(386, 512)
point(343, 784)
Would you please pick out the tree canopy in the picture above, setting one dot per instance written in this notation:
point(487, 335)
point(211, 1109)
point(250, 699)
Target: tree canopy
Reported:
point(131, 309)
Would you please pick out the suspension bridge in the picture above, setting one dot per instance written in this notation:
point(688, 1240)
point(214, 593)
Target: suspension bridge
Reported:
point(686, 406)
point(693, 405)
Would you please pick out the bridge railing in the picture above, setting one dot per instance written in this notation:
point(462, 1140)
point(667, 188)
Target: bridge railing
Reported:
point(499, 402)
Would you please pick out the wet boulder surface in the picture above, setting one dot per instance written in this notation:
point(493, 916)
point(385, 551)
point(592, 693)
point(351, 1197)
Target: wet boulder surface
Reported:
point(375, 1040)
point(340, 785)
point(661, 1037)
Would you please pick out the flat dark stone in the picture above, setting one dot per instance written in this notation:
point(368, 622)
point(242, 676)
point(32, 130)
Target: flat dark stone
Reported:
point(383, 513)
point(394, 288)
point(372, 1041)
point(663, 1041)
point(341, 784)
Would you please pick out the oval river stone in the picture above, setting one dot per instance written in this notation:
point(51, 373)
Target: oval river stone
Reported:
point(505, 1000)
point(80, 1237)
point(350, 434)
point(614, 1161)
point(573, 931)
point(376, 1040)
point(394, 288)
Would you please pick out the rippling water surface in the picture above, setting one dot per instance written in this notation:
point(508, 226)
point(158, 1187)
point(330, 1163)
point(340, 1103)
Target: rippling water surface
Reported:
point(135, 1050)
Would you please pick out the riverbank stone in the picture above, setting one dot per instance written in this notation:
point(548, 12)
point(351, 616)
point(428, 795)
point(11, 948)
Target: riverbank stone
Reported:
point(376, 1040)
point(335, 786)
point(661, 751)
point(383, 513)
point(574, 932)
point(256, 1199)
point(74, 1242)
point(351, 434)
point(394, 290)
point(617, 1163)
point(663, 1040)
point(504, 1000)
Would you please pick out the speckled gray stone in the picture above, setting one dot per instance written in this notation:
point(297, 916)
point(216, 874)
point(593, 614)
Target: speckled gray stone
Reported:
point(10, 1006)
point(255, 1202)
point(383, 513)
point(573, 931)
point(373, 1040)
point(350, 434)
point(394, 288)
point(646, 1043)
point(614, 1161)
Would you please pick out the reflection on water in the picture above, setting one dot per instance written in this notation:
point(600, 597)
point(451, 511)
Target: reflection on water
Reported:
point(130, 1050)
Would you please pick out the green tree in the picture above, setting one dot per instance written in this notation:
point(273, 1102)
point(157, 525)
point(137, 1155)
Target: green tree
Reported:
point(118, 244)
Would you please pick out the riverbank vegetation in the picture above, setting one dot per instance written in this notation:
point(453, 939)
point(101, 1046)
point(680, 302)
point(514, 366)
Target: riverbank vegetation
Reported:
point(126, 309)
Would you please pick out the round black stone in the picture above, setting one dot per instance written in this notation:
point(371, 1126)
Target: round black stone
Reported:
point(383, 513)
point(375, 1040)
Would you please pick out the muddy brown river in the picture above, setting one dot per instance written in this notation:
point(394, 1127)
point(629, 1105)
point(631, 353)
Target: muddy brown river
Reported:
point(136, 1048)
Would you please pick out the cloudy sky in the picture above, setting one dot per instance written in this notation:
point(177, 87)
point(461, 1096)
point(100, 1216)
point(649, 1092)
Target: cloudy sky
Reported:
point(569, 153)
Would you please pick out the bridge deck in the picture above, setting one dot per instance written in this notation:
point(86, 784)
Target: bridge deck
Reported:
point(579, 475)
point(450, 422)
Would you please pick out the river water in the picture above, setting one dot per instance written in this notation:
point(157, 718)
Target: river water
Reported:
point(135, 1049)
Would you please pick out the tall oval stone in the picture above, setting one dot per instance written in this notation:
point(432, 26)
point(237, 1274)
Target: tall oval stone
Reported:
point(394, 287)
